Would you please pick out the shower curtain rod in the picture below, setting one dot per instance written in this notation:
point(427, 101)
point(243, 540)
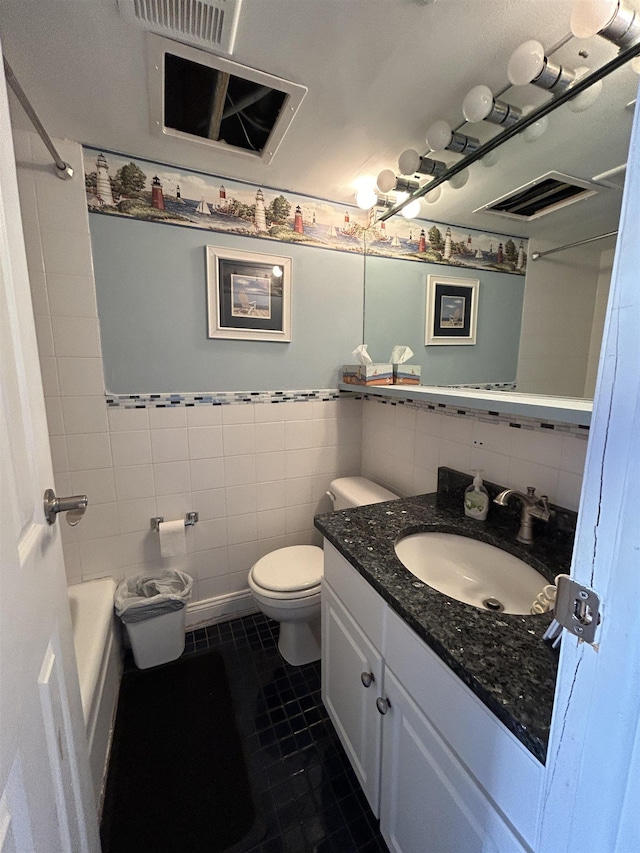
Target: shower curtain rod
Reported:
point(536, 255)
point(63, 170)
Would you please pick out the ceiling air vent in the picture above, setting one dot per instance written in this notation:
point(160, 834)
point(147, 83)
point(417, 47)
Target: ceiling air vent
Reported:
point(210, 100)
point(208, 23)
point(539, 197)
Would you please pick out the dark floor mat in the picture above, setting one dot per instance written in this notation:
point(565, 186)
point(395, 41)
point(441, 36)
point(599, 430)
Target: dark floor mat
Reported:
point(177, 776)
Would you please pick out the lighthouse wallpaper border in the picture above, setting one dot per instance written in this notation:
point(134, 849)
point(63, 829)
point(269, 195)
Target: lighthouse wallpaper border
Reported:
point(248, 295)
point(135, 188)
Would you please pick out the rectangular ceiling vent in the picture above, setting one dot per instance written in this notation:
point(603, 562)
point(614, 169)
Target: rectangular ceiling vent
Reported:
point(207, 23)
point(211, 100)
point(540, 197)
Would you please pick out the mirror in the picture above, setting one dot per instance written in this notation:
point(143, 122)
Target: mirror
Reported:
point(541, 331)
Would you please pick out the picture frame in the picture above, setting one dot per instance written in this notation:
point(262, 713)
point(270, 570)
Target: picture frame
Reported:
point(247, 298)
point(451, 311)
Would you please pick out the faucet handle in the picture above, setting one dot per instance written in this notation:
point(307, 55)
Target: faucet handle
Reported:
point(531, 491)
point(541, 509)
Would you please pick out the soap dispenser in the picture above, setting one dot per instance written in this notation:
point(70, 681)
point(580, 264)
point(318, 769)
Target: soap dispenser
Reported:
point(476, 498)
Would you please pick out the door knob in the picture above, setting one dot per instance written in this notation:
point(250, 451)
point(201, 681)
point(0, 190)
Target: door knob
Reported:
point(74, 506)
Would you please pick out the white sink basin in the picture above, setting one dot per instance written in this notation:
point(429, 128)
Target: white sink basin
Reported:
point(471, 571)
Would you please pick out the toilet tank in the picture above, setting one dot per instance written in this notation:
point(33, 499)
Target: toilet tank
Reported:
point(346, 492)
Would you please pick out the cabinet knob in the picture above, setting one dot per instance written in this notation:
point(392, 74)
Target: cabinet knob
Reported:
point(382, 705)
point(367, 678)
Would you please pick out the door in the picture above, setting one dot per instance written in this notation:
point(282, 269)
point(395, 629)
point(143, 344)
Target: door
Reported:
point(351, 681)
point(46, 800)
point(593, 762)
point(428, 800)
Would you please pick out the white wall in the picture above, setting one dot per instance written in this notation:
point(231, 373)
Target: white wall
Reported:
point(557, 319)
point(599, 313)
point(256, 473)
point(403, 446)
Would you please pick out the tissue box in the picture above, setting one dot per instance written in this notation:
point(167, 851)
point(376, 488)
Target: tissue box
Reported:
point(367, 374)
point(406, 374)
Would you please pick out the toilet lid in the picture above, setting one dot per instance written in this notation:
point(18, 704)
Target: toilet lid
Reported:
point(297, 567)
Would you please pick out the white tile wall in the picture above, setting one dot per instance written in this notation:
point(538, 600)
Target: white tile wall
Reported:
point(256, 473)
point(552, 461)
point(251, 471)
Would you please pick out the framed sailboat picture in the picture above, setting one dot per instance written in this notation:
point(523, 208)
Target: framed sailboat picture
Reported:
point(248, 295)
point(452, 310)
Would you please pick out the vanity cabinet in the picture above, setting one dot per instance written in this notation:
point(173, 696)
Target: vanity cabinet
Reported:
point(437, 767)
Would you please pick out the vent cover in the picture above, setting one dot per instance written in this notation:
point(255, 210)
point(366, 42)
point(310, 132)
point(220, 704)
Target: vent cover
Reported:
point(210, 100)
point(539, 197)
point(208, 23)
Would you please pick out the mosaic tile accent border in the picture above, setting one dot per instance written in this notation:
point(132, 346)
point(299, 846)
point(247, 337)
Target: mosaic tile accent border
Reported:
point(514, 421)
point(218, 398)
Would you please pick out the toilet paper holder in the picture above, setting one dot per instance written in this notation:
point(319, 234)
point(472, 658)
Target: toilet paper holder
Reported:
point(189, 520)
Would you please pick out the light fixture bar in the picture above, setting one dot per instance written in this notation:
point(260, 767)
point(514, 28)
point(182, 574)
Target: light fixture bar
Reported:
point(531, 118)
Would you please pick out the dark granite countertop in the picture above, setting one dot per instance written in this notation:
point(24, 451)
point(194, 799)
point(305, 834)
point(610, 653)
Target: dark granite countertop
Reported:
point(500, 657)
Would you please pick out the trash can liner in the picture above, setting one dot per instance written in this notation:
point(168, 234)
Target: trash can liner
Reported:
point(143, 597)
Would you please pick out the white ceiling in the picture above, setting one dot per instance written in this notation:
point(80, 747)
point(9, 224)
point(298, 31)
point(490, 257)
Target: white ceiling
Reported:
point(378, 73)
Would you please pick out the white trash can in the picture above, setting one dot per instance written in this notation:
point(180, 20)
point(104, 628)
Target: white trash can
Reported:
point(153, 610)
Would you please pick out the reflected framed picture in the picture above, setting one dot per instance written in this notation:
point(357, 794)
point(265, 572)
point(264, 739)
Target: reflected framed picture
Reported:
point(248, 295)
point(452, 310)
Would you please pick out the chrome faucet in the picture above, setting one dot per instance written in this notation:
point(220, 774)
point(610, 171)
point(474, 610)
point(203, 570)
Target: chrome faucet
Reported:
point(532, 507)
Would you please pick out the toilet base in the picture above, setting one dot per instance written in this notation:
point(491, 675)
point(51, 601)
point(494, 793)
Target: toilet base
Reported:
point(299, 642)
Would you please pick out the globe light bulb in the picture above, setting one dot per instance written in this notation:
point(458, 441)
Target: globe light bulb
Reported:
point(459, 180)
point(433, 196)
point(439, 135)
point(366, 197)
point(490, 159)
point(526, 63)
point(411, 210)
point(587, 98)
point(277, 272)
point(408, 162)
point(537, 129)
point(588, 17)
point(477, 104)
point(386, 181)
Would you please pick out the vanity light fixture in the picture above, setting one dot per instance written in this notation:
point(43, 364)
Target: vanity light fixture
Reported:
point(366, 198)
point(535, 130)
point(411, 163)
point(458, 181)
point(611, 19)
point(587, 98)
point(388, 182)
point(385, 202)
point(411, 210)
point(433, 196)
point(528, 64)
point(480, 105)
point(440, 137)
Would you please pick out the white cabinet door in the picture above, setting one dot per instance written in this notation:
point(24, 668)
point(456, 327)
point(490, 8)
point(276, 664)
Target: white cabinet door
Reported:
point(349, 661)
point(428, 802)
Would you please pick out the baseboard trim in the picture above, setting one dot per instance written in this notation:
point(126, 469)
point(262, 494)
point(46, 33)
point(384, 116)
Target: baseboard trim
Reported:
point(210, 611)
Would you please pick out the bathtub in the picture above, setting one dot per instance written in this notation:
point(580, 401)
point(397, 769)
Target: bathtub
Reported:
point(97, 645)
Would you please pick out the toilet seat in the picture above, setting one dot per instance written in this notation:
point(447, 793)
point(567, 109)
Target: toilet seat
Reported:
point(288, 573)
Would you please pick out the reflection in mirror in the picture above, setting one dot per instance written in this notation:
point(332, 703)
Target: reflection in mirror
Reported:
point(542, 331)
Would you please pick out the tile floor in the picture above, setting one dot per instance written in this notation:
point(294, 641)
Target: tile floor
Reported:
point(308, 796)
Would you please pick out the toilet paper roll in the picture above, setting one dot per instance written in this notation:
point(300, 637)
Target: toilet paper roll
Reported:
point(173, 541)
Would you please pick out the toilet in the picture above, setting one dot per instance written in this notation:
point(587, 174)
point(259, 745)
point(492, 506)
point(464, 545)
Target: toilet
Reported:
point(286, 583)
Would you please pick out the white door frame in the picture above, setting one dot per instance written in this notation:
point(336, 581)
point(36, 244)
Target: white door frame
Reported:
point(592, 785)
